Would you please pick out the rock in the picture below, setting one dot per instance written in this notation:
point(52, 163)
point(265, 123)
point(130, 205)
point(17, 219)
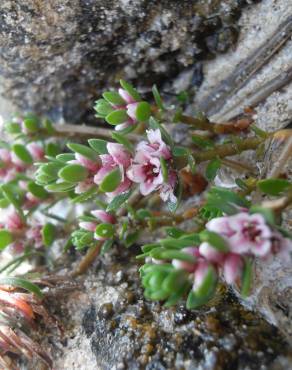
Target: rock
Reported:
point(57, 57)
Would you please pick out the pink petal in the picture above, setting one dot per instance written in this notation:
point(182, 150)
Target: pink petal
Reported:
point(126, 96)
point(131, 110)
point(210, 253)
point(232, 268)
point(124, 186)
point(103, 216)
point(200, 274)
point(89, 226)
point(102, 173)
point(88, 163)
point(136, 173)
point(119, 154)
point(36, 151)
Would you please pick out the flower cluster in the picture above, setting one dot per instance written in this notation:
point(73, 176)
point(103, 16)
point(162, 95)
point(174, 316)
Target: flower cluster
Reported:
point(14, 162)
point(247, 235)
point(18, 233)
point(124, 108)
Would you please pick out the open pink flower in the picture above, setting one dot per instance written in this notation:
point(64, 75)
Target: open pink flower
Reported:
point(245, 233)
point(118, 157)
point(146, 167)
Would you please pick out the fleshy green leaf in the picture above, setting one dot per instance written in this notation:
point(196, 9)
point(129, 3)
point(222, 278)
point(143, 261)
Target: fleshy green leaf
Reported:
point(60, 187)
point(143, 111)
point(6, 238)
point(164, 169)
point(215, 240)
point(157, 97)
point(103, 108)
point(98, 145)
point(174, 232)
point(105, 230)
point(123, 140)
point(273, 186)
point(48, 234)
point(202, 142)
point(23, 284)
point(12, 128)
point(52, 149)
point(111, 181)
point(73, 173)
point(117, 116)
point(65, 157)
point(179, 151)
point(84, 197)
point(31, 124)
point(106, 246)
point(37, 190)
point(118, 201)
point(114, 98)
point(212, 168)
point(84, 150)
point(22, 153)
point(246, 278)
point(130, 90)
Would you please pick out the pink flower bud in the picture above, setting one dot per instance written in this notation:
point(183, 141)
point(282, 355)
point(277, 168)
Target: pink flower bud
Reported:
point(126, 96)
point(131, 110)
point(89, 226)
point(103, 216)
point(188, 266)
point(88, 163)
point(232, 268)
point(36, 151)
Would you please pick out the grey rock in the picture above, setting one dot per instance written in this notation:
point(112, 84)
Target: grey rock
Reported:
point(56, 57)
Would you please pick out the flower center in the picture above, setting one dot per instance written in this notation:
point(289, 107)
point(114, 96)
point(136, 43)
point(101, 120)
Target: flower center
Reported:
point(150, 171)
point(251, 232)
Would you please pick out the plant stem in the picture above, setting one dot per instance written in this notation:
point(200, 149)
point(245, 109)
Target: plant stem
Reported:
point(93, 252)
point(226, 150)
point(86, 132)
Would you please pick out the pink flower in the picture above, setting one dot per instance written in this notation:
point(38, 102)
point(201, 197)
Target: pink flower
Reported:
point(245, 233)
point(211, 254)
point(120, 158)
point(89, 226)
point(36, 151)
point(102, 216)
point(14, 221)
point(88, 163)
point(34, 235)
point(146, 167)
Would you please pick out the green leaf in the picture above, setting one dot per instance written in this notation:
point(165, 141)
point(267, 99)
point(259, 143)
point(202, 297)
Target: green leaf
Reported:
point(37, 190)
point(174, 281)
point(48, 234)
point(175, 243)
point(273, 186)
point(84, 150)
point(157, 97)
point(31, 124)
point(192, 163)
point(179, 151)
point(241, 184)
point(22, 153)
point(173, 206)
point(124, 141)
point(73, 173)
point(111, 181)
point(174, 232)
point(202, 142)
point(13, 128)
point(259, 132)
point(130, 90)
point(48, 125)
point(105, 230)
point(84, 197)
point(154, 124)
point(116, 117)
point(106, 246)
point(65, 157)
point(212, 168)
point(246, 278)
point(131, 239)
point(142, 214)
point(143, 111)
point(118, 201)
point(170, 254)
point(103, 108)
point(12, 197)
point(215, 240)
point(4, 203)
point(99, 145)
point(114, 98)
point(52, 149)
point(267, 213)
point(6, 238)
point(60, 187)
point(23, 284)
point(164, 169)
